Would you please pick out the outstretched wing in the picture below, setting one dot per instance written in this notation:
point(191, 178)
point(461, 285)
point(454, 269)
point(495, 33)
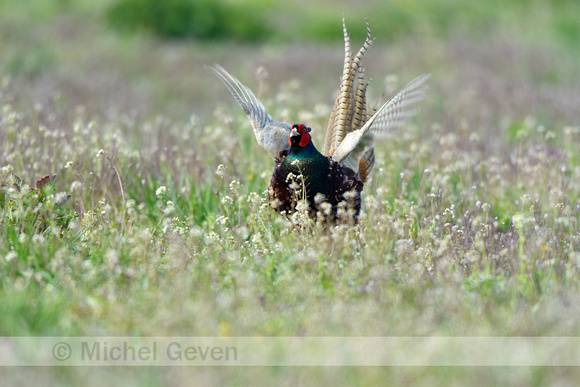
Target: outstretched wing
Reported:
point(391, 116)
point(271, 135)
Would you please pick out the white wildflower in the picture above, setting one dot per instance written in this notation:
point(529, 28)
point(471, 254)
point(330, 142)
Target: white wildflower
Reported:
point(518, 220)
point(105, 207)
point(371, 202)
point(341, 213)
point(38, 239)
point(69, 164)
point(11, 191)
point(161, 191)
point(403, 248)
point(76, 186)
point(326, 207)
point(294, 186)
point(223, 220)
point(195, 232)
point(261, 73)
point(235, 186)
point(170, 208)
point(212, 237)
point(257, 238)
point(302, 206)
point(570, 130)
point(60, 198)
point(11, 255)
point(221, 170)
point(352, 194)
point(226, 200)
point(227, 118)
point(319, 198)
point(253, 198)
point(7, 169)
point(100, 153)
point(274, 203)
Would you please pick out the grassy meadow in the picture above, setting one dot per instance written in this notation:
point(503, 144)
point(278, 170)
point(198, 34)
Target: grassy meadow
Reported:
point(470, 224)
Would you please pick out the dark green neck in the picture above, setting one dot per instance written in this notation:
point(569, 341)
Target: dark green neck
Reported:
point(298, 152)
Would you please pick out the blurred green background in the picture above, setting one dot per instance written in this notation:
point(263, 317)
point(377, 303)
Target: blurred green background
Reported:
point(300, 20)
point(153, 52)
point(259, 20)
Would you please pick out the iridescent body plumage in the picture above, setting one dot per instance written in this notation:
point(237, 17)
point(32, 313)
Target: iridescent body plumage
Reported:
point(322, 182)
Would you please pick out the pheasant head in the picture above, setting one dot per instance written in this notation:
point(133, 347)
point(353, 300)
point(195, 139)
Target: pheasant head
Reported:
point(299, 136)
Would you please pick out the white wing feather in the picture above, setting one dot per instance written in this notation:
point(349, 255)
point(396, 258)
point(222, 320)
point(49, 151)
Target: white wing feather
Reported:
point(271, 135)
point(393, 114)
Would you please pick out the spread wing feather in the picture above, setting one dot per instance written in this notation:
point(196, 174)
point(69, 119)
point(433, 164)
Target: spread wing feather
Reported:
point(388, 118)
point(271, 135)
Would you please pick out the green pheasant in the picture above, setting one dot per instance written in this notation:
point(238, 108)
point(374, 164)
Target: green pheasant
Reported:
point(330, 183)
point(306, 174)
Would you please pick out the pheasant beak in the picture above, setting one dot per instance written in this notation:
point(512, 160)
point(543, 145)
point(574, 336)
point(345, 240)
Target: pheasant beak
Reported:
point(293, 134)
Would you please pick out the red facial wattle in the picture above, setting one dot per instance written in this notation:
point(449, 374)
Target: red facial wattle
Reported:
point(305, 136)
point(304, 140)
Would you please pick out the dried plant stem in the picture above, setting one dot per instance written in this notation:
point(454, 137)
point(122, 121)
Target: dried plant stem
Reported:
point(120, 180)
point(154, 231)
